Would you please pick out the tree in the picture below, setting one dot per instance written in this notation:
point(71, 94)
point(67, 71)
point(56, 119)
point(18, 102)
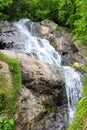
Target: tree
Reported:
point(3, 5)
point(80, 24)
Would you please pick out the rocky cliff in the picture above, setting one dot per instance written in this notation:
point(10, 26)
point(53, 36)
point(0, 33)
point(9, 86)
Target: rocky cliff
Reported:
point(43, 93)
point(42, 99)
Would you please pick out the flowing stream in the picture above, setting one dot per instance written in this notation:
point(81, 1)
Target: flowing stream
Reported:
point(42, 50)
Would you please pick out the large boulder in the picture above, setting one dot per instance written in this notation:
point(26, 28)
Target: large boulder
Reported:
point(38, 75)
point(43, 93)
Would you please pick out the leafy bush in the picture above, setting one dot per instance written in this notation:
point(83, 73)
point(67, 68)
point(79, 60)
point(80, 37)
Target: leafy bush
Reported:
point(6, 124)
point(3, 5)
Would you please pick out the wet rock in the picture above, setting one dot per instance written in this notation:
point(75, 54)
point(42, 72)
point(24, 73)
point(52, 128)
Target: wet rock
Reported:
point(33, 28)
point(6, 35)
point(10, 38)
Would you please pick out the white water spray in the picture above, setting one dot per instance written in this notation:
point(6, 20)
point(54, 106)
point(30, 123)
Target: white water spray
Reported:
point(42, 50)
point(35, 46)
point(73, 89)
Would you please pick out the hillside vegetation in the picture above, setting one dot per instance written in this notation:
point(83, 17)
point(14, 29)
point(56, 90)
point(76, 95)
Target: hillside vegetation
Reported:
point(69, 13)
point(9, 92)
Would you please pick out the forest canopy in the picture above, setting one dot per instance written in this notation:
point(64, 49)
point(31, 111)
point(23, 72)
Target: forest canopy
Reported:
point(69, 13)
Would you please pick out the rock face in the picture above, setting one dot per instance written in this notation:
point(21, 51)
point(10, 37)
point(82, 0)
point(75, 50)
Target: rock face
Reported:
point(5, 76)
point(61, 39)
point(42, 95)
point(58, 37)
point(7, 30)
point(38, 75)
point(5, 87)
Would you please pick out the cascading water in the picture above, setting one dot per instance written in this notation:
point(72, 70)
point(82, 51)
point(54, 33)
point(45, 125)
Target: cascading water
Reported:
point(42, 50)
point(73, 89)
point(35, 46)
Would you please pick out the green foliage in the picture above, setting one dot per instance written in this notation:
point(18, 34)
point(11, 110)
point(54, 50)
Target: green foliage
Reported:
point(6, 124)
point(2, 100)
point(85, 81)
point(55, 44)
point(4, 92)
point(10, 92)
point(80, 21)
point(65, 11)
point(70, 13)
point(36, 10)
point(3, 5)
point(80, 120)
point(48, 108)
point(80, 67)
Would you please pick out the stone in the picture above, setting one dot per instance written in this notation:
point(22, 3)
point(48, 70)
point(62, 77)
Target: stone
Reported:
point(65, 46)
point(43, 84)
point(4, 71)
point(30, 106)
point(43, 88)
point(48, 23)
point(38, 75)
point(43, 30)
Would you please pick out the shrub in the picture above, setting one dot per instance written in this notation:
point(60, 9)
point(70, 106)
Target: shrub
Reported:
point(6, 124)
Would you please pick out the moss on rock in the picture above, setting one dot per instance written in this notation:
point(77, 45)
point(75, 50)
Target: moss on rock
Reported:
point(10, 84)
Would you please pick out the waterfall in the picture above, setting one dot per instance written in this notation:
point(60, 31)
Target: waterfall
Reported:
point(73, 89)
point(35, 46)
point(41, 49)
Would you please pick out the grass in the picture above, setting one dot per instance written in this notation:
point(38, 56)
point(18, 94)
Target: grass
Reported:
point(4, 84)
point(55, 45)
point(9, 93)
point(79, 67)
point(7, 124)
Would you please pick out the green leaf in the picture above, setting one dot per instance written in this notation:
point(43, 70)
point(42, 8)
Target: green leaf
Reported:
point(11, 121)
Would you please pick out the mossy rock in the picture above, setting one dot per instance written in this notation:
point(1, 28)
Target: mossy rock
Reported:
point(54, 44)
point(9, 88)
